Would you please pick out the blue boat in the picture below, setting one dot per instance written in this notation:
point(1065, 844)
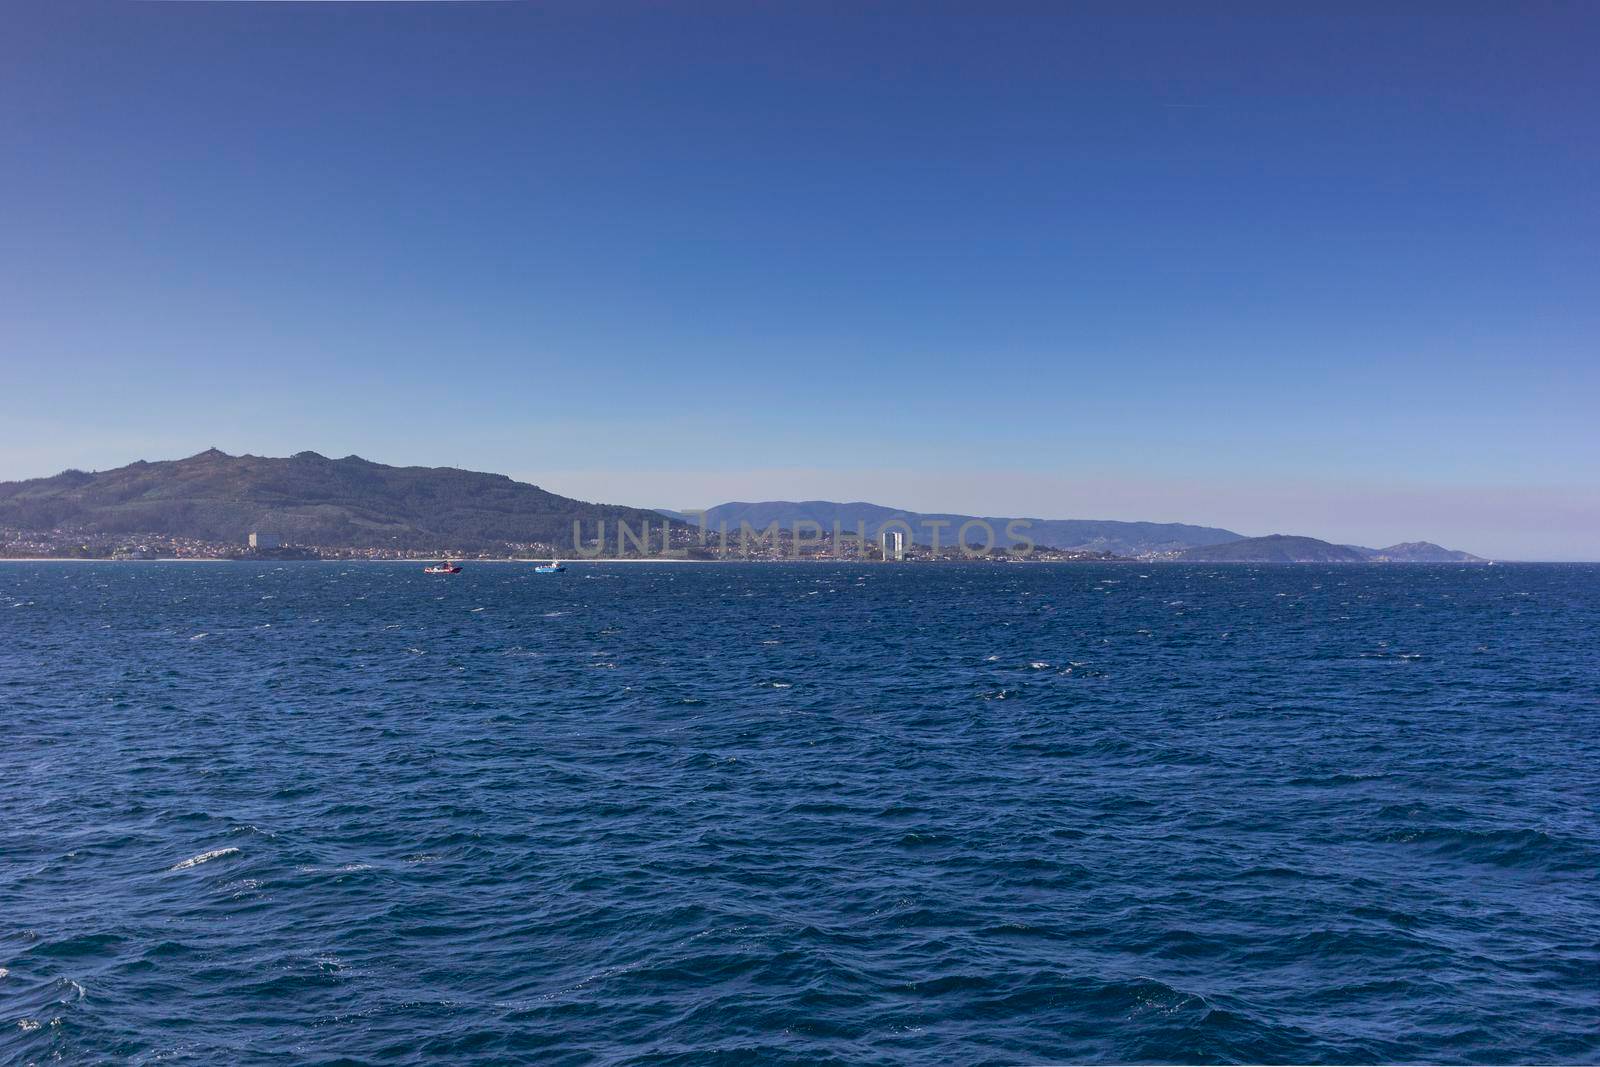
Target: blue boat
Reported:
point(555, 567)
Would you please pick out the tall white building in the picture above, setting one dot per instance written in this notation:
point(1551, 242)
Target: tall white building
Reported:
point(893, 544)
point(259, 541)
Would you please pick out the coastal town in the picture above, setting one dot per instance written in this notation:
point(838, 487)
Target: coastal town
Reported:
point(682, 542)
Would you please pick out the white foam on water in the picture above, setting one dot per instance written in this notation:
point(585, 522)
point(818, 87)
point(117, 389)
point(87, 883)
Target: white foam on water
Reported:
point(204, 857)
point(197, 637)
point(343, 868)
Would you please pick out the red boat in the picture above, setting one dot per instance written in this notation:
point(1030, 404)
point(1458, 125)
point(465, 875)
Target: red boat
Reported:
point(447, 567)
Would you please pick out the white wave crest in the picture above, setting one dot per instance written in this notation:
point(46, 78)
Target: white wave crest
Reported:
point(204, 857)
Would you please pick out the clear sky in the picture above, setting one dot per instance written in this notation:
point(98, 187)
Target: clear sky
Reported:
point(1335, 274)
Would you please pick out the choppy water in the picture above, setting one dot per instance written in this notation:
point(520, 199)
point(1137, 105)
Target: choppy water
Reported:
point(755, 813)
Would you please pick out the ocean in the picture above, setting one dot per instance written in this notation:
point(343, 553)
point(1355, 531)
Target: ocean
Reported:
point(799, 813)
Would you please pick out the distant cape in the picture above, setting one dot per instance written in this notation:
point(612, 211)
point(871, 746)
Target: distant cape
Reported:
point(1284, 548)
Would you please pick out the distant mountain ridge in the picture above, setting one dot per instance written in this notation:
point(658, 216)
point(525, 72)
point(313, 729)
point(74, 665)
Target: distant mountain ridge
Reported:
point(307, 499)
point(1285, 548)
point(1148, 539)
point(1099, 535)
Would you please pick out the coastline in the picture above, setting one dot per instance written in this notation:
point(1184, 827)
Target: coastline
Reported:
point(420, 560)
point(108, 559)
point(536, 561)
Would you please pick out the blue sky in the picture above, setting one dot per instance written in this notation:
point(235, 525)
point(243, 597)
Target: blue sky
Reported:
point(1330, 274)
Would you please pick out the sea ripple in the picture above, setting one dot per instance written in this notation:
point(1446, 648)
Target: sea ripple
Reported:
point(277, 813)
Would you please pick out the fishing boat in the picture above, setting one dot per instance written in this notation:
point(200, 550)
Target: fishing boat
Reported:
point(554, 567)
point(447, 567)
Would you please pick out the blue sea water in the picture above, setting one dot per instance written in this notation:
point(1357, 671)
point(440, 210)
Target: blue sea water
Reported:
point(295, 813)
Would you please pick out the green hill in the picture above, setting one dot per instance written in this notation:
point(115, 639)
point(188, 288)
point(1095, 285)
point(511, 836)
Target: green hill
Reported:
point(307, 499)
